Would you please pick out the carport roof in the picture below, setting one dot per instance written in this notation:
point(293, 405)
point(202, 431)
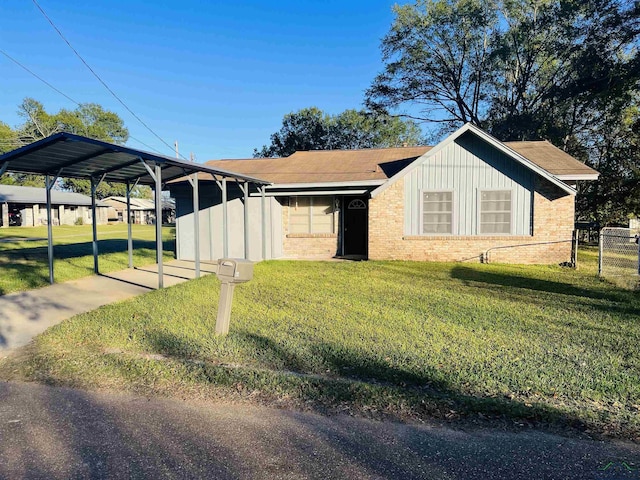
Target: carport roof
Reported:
point(74, 156)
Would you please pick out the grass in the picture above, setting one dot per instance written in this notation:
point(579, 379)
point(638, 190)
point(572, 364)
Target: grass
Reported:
point(537, 345)
point(23, 252)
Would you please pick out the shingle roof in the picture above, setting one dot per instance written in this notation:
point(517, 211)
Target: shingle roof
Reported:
point(551, 158)
point(318, 166)
point(31, 195)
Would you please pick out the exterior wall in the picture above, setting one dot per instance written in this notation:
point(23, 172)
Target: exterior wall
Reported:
point(465, 167)
point(5, 214)
point(36, 215)
point(553, 220)
point(311, 246)
point(211, 238)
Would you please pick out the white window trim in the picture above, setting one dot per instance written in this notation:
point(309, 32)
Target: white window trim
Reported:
point(311, 197)
point(479, 212)
point(454, 217)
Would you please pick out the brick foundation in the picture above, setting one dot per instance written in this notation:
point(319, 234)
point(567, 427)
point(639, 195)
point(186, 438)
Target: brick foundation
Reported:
point(553, 222)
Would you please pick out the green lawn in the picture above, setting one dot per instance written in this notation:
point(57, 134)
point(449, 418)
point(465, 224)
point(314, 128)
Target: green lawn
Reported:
point(528, 344)
point(23, 252)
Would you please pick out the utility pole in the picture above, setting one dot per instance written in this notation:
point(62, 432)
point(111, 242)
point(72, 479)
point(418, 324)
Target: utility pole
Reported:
point(176, 145)
point(192, 157)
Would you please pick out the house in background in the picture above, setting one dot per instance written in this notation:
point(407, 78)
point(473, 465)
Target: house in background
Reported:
point(26, 207)
point(468, 198)
point(143, 210)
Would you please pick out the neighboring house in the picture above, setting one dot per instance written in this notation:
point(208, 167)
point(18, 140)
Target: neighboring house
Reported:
point(27, 207)
point(143, 211)
point(468, 198)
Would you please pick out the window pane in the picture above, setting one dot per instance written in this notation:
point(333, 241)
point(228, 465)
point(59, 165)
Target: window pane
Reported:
point(323, 224)
point(311, 214)
point(299, 223)
point(495, 212)
point(322, 205)
point(437, 208)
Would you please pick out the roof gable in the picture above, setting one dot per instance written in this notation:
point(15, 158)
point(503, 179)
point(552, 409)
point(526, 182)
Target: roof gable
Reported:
point(491, 141)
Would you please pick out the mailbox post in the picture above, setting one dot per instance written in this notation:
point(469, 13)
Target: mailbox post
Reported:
point(230, 272)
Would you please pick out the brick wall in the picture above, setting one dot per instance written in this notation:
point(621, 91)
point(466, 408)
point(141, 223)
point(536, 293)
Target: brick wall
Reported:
point(310, 246)
point(553, 221)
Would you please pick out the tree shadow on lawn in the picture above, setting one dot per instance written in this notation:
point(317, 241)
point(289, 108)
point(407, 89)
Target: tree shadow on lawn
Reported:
point(30, 274)
point(467, 274)
point(356, 381)
point(619, 299)
point(73, 250)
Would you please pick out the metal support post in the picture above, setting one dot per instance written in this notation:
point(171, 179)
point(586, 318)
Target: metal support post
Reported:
point(225, 220)
point(574, 259)
point(158, 175)
point(48, 185)
point(129, 227)
point(245, 190)
point(94, 225)
point(600, 252)
point(196, 223)
point(263, 200)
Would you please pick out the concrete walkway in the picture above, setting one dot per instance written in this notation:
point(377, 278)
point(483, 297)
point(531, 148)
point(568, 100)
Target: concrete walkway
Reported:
point(61, 433)
point(23, 315)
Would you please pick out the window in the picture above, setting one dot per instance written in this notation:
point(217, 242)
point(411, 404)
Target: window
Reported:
point(495, 212)
point(437, 213)
point(311, 215)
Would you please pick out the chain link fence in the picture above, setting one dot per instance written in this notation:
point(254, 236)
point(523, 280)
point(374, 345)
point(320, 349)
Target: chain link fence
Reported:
point(619, 256)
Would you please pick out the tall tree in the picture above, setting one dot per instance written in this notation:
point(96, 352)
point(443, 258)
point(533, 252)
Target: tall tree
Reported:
point(437, 57)
point(89, 119)
point(564, 70)
point(312, 129)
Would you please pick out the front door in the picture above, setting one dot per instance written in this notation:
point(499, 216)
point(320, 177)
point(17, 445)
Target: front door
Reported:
point(355, 225)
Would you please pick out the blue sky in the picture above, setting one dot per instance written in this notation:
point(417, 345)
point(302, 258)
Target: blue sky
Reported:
point(216, 76)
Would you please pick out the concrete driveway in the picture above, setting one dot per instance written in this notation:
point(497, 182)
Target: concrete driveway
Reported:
point(60, 433)
point(23, 315)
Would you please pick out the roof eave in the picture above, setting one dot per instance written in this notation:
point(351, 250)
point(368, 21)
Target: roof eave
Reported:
point(578, 177)
point(355, 183)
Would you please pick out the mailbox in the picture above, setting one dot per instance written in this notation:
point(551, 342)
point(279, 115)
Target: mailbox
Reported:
point(234, 270)
point(230, 272)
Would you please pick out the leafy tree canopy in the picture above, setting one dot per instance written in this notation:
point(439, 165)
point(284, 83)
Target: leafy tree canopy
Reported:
point(563, 70)
point(89, 120)
point(312, 129)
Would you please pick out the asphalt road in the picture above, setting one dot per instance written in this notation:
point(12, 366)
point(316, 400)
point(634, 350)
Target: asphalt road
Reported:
point(59, 433)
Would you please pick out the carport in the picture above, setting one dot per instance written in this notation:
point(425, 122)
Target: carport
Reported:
point(74, 156)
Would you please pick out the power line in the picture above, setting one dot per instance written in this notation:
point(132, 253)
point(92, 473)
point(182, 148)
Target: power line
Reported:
point(98, 77)
point(38, 77)
point(64, 95)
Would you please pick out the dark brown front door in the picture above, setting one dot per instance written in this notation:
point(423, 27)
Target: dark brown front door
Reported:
point(355, 225)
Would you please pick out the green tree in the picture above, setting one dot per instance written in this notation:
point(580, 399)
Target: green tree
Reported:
point(312, 129)
point(89, 119)
point(563, 70)
point(438, 57)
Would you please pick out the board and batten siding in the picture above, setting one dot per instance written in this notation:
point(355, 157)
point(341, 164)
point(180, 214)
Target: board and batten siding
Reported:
point(465, 167)
point(211, 223)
